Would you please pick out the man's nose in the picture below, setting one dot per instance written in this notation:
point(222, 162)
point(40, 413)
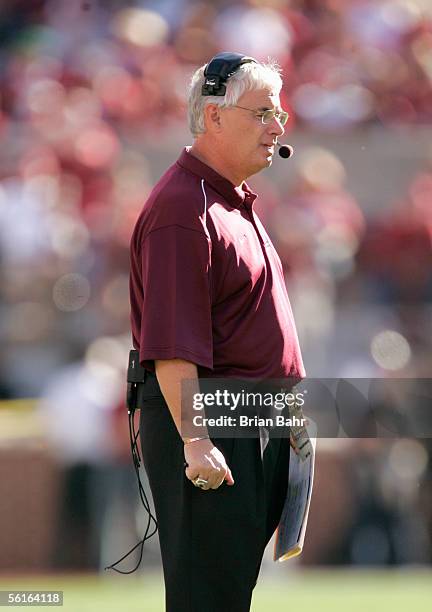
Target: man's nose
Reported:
point(276, 127)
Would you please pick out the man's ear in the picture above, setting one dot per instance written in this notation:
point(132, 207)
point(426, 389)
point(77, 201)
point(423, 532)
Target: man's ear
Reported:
point(212, 117)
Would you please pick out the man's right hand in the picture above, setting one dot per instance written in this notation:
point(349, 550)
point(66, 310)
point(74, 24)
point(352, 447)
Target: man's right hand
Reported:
point(206, 461)
point(203, 458)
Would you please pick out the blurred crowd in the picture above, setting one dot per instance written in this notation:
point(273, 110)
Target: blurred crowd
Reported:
point(89, 89)
point(91, 93)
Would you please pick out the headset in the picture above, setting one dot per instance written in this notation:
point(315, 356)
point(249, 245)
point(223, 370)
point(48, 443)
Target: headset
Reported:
point(219, 69)
point(217, 72)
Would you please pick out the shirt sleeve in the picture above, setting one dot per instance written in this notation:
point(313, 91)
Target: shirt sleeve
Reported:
point(176, 313)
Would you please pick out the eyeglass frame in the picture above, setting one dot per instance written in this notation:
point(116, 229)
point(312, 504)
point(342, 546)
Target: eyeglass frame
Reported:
point(272, 113)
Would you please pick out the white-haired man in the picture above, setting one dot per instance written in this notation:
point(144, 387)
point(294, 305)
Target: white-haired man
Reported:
point(208, 299)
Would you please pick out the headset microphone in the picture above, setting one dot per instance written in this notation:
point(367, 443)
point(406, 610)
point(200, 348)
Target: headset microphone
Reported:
point(285, 151)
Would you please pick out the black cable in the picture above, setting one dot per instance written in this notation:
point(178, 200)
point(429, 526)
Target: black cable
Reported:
point(136, 458)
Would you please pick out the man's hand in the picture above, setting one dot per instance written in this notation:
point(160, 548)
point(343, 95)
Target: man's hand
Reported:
point(203, 458)
point(207, 462)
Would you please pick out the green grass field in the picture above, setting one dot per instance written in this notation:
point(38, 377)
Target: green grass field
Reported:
point(320, 591)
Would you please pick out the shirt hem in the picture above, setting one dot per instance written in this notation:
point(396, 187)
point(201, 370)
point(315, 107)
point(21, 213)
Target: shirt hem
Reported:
point(153, 353)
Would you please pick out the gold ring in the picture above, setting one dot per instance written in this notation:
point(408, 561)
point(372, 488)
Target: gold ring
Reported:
point(200, 482)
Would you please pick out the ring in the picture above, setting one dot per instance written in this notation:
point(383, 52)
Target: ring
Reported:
point(200, 482)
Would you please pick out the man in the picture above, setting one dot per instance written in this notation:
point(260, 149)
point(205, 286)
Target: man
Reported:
point(208, 299)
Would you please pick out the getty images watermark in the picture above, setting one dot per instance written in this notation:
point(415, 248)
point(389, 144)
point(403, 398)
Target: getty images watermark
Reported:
point(239, 402)
point(340, 407)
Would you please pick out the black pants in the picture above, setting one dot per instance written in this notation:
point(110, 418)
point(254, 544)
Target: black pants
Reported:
point(212, 542)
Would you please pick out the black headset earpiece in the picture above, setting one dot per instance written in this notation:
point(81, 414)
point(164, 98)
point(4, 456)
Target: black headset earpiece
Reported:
point(219, 69)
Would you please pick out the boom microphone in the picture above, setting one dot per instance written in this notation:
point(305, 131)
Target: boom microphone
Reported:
point(285, 151)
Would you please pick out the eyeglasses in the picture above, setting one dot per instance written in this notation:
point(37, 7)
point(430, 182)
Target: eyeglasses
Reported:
point(268, 115)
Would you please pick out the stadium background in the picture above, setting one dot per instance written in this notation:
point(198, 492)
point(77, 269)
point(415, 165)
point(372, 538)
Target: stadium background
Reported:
point(92, 111)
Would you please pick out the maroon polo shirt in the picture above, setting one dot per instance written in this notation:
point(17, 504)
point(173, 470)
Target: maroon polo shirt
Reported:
point(206, 284)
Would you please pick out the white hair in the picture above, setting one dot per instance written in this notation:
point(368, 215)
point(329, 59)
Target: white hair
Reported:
point(248, 77)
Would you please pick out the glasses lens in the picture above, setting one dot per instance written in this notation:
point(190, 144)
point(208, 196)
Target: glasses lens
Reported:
point(269, 115)
point(283, 117)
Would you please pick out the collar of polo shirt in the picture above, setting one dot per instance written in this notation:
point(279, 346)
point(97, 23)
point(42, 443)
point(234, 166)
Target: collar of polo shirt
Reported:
point(235, 196)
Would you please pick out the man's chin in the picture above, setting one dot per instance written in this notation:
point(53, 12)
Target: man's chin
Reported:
point(268, 157)
point(261, 164)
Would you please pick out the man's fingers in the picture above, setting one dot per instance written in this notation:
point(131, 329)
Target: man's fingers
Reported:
point(209, 466)
point(229, 478)
point(190, 473)
point(214, 478)
point(217, 485)
point(221, 477)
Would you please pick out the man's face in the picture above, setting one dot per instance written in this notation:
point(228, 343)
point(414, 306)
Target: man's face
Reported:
point(246, 142)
